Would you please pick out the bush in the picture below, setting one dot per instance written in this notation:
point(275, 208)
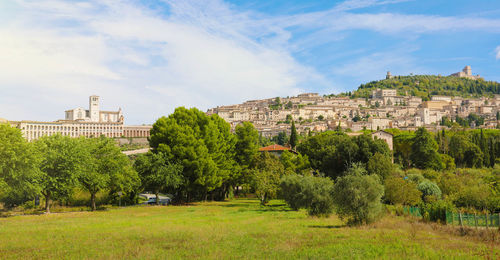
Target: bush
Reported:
point(292, 191)
point(429, 188)
point(436, 211)
point(400, 191)
point(309, 192)
point(380, 165)
point(416, 178)
point(357, 198)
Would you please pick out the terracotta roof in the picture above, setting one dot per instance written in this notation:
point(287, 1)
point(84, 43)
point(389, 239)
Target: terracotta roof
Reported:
point(274, 147)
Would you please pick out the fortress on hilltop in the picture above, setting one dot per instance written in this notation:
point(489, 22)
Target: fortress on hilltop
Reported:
point(466, 73)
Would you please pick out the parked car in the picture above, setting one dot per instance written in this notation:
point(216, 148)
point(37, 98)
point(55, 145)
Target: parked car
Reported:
point(163, 201)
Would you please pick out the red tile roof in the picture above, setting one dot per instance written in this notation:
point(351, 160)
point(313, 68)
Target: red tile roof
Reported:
point(274, 148)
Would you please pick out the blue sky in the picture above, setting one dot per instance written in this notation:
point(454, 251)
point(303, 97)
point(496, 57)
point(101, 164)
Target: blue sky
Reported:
point(149, 57)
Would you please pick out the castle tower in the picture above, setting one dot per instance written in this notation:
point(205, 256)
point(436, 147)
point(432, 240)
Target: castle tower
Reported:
point(467, 70)
point(389, 75)
point(94, 108)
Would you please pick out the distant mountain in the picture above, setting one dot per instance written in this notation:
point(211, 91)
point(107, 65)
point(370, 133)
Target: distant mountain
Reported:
point(425, 86)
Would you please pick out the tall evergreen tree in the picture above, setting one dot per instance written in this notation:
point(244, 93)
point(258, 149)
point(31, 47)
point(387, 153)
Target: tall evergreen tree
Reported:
point(424, 154)
point(293, 136)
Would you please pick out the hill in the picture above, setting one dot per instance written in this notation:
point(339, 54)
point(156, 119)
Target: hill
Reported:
point(425, 86)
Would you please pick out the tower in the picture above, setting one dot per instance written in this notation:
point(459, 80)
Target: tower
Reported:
point(467, 70)
point(388, 76)
point(94, 108)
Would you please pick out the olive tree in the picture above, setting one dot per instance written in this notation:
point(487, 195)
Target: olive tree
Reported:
point(266, 174)
point(357, 196)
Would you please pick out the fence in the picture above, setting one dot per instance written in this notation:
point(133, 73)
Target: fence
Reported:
point(475, 220)
point(461, 219)
point(413, 211)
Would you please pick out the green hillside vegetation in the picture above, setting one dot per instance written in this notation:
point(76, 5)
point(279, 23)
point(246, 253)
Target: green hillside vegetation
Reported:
point(425, 86)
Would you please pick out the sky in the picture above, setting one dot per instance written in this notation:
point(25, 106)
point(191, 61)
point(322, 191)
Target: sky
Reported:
point(150, 56)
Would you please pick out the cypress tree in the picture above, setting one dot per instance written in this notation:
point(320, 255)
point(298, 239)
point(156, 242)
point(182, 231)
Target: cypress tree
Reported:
point(293, 136)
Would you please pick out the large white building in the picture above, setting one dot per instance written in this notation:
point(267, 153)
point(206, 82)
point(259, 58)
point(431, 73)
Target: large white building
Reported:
point(79, 122)
point(94, 114)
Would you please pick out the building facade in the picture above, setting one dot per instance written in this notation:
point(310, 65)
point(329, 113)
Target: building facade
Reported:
point(466, 73)
point(80, 122)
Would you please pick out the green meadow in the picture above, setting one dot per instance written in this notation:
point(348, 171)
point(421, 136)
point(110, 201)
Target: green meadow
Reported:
point(219, 230)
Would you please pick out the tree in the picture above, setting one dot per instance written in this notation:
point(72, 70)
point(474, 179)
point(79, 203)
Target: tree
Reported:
point(428, 189)
point(105, 166)
point(247, 143)
point(295, 163)
point(465, 152)
point(380, 165)
point(62, 159)
point(19, 163)
point(246, 148)
point(402, 149)
point(281, 138)
point(158, 174)
point(293, 136)
point(400, 191)
point(266, 173)
point(424, 153)
point(309, 192)
point(332, 152)
point(202, 144)
point(358, 197)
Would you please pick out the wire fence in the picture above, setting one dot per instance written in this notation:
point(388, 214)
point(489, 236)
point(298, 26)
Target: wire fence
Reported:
point(461, 219)
point(474, 220)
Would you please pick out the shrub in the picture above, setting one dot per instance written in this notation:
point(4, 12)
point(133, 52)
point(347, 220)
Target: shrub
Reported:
point(380, 165)
point(436, 211)
point(309, 192)
point(357, 198)
point(292, 191)
point(416, 178)
point(431, 174)
point(400, 191)
point(429, 188)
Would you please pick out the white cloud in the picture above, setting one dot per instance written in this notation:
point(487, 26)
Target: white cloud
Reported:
point(144, 61)
point(374, 66)
point(199, 53)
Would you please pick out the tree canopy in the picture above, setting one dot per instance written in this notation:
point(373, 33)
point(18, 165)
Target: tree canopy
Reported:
point(202, 144)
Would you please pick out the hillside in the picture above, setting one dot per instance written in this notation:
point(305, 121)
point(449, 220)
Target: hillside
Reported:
point(425, 86)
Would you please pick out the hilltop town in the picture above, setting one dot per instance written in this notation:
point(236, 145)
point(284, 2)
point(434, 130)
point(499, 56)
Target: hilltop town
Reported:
point(384, 108)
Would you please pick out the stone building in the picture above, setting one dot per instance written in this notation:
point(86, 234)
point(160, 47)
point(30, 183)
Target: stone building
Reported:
point(466, 73)
point(94, 114)
point(79, 122)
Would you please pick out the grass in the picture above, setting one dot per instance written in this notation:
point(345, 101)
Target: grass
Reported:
point(234, 229)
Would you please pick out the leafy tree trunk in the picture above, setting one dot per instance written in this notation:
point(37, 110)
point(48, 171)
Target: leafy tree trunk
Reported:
point(47, 202)
point(92, 201)
point(157, 193)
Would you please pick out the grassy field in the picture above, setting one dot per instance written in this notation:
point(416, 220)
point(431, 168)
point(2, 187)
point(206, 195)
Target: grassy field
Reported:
point(234, 229)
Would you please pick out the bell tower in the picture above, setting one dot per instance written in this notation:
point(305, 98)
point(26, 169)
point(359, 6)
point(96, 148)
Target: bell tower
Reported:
point(94, 108)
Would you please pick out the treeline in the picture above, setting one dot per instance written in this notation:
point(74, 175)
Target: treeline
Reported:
point(196, 157)
point(446, 149)
point(425, 86)
point(54, 167)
